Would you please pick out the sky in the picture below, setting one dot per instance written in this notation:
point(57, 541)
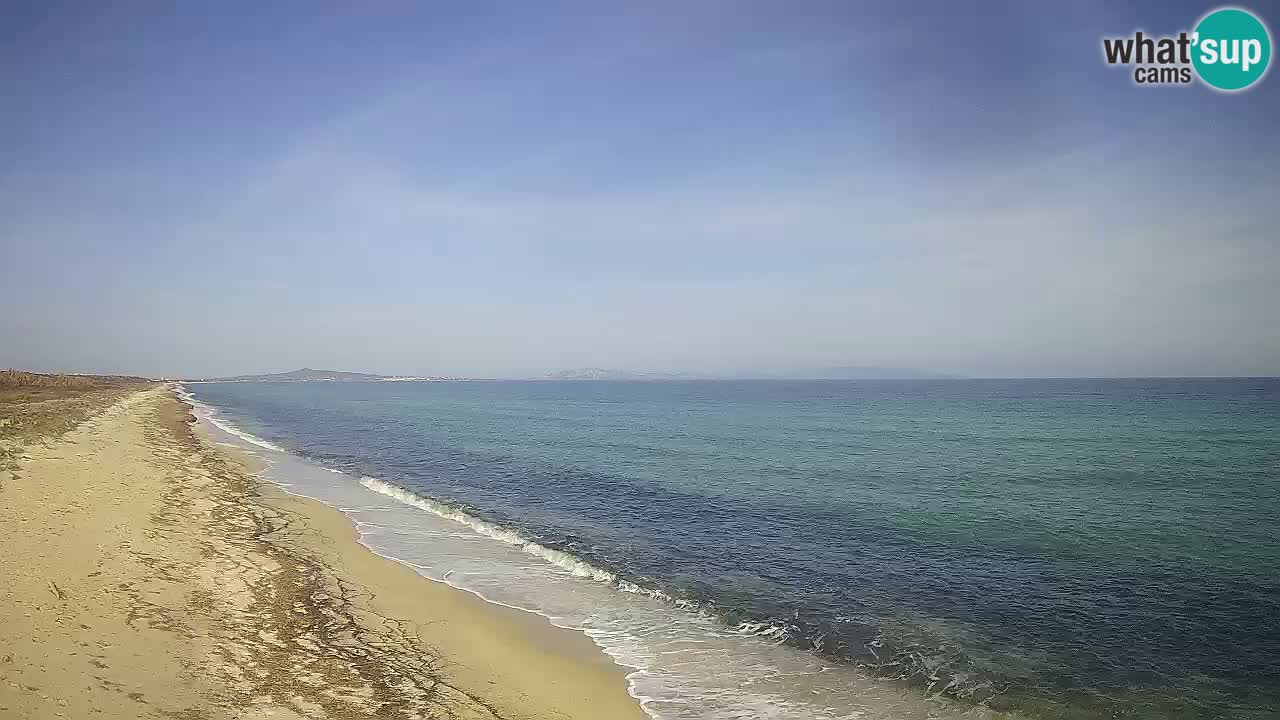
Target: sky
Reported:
point(501, 189)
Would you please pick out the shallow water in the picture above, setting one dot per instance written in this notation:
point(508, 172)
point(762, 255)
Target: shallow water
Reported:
point(1062, 548)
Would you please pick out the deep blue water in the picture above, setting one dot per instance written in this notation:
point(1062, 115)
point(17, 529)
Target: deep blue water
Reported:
point(1069, 548)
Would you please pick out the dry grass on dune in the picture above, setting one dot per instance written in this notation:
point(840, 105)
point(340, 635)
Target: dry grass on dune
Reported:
point(16, 379)
point(35, 407)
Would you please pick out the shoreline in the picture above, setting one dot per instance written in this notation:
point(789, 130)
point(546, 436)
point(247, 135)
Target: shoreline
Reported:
point(247, 449)
point(754, 675)
point(465, 620)
point(152, 574)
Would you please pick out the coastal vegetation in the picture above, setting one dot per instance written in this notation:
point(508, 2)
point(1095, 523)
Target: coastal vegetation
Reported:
point(36, 407)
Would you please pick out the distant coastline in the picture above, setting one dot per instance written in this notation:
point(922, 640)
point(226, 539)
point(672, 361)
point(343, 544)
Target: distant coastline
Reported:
point(310, 375)
point(594, 373)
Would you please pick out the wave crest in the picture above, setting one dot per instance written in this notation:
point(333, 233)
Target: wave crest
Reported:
point(577, 566)
point(211, 415)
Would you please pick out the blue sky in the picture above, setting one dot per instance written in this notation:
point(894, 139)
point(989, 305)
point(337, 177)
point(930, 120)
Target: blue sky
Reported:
point(499, 189)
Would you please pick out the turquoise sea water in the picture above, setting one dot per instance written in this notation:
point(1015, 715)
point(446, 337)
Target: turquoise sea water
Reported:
point(1054, 548)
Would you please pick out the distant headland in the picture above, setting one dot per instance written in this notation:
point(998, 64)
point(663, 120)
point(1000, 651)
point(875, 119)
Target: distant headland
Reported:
point(310, 375)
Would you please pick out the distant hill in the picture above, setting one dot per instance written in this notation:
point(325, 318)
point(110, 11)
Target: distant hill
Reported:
point(310, 375)
point(301, 375)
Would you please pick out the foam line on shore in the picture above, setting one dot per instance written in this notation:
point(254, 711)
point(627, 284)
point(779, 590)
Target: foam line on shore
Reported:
point(566, 561)
point(211, 414)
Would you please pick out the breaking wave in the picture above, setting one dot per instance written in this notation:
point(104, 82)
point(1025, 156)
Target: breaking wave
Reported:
point(564, 560)
point(211, 414)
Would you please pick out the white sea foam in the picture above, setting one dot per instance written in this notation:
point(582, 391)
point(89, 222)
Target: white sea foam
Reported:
point(242, 434)
point(566, 561)
point(559, 558)
point(770, 631)
point(247, 437)
point(211, 414)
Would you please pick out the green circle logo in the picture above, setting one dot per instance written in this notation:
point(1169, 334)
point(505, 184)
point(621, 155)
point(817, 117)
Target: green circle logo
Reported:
point(1231, 49)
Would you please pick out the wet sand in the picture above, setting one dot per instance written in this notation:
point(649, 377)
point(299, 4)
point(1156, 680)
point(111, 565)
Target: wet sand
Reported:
point(147, 573)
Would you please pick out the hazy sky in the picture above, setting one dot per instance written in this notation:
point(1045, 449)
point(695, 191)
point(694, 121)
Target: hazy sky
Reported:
point(498, 188)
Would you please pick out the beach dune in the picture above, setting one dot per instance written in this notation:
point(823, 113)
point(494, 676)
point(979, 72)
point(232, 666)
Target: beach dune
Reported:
point(147, 573)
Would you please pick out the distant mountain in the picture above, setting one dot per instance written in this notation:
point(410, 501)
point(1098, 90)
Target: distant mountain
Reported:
point(309, 375)
point(302, 375)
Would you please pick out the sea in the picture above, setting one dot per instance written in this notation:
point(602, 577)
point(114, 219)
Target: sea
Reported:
point(1074, 548)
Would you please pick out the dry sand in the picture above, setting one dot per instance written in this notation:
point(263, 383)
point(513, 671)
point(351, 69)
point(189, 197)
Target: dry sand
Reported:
point(146, 573)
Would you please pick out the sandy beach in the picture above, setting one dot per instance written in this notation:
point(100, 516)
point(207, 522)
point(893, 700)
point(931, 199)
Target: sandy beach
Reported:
point(147, 573)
